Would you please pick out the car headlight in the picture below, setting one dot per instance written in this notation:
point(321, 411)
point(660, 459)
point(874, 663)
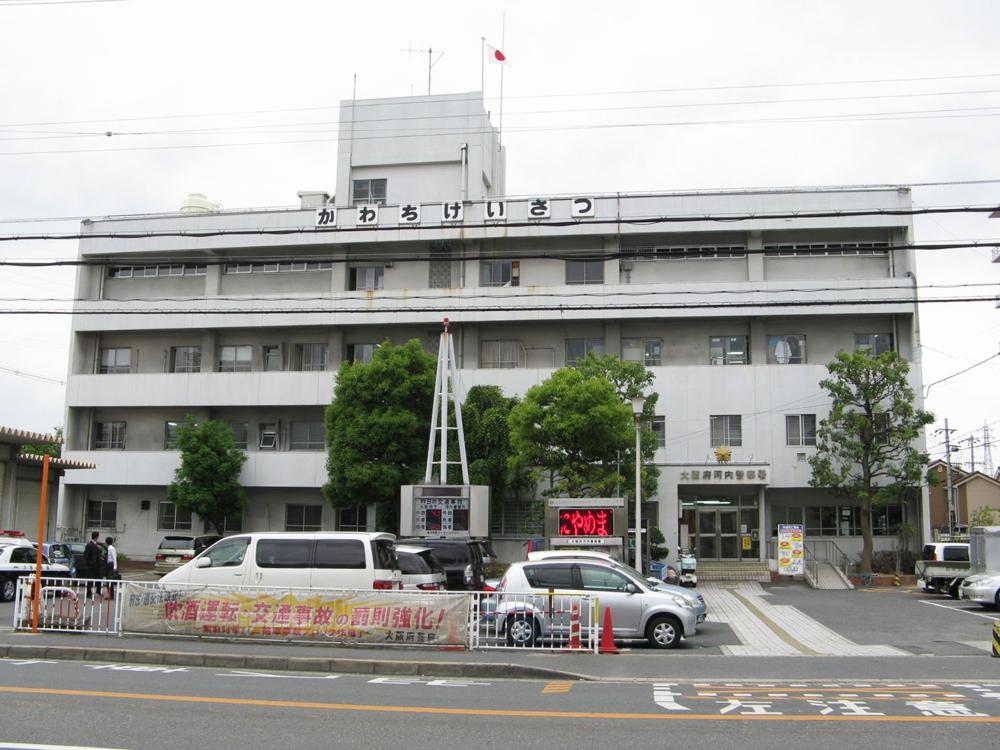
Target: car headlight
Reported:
point(680, 601)
point(991, 581)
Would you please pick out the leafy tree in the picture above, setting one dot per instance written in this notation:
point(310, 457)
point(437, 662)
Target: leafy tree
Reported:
point(631, 379)
point(574, 426)
point(53, 450)
point(983, 516)
point(485, 418)
point(377, 428)
point(864, 448)
point(208, 480)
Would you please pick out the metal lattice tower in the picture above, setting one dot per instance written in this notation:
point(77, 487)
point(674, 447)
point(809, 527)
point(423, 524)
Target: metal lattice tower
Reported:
point(446, 386)
point(987, 454)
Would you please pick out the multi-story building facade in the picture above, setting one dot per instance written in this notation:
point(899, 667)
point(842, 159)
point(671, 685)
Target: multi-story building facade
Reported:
point(735, 300)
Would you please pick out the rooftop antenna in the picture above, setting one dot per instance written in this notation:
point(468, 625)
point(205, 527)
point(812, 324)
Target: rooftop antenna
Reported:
point(431, 62)
point(446, 385)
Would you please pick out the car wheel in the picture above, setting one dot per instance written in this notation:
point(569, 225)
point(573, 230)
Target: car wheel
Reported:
point(522, 630)
point(663, 632)
point(8, 587)
point(996, 600)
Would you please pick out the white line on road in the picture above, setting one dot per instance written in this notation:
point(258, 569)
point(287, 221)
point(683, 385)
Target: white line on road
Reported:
point(23, 746)
point(241, 673)
point(956, 609)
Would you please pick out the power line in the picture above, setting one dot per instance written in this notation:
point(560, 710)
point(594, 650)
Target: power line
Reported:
point(927, 388)
point(31, 375)
point(368, 309)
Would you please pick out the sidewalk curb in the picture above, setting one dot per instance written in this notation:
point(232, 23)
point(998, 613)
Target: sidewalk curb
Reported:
point(288, 663)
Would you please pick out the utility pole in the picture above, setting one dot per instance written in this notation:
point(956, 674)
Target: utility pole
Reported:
point(972, 452)
point(947, 457)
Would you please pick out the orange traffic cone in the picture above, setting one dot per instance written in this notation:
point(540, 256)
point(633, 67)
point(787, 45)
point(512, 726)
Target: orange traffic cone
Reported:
point(575, 644)
point(607, 635)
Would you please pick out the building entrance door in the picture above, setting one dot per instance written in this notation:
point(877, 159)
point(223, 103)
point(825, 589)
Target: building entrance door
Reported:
point(718, 534)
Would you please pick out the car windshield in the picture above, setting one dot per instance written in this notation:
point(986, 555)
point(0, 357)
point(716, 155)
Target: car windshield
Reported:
point(177, 542)
point(451, 553)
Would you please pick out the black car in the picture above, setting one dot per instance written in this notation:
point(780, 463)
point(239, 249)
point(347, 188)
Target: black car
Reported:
point(462, 560)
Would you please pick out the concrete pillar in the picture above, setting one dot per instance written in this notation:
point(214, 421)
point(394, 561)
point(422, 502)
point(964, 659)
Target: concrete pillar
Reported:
point(613, 337)
point(758, 342)
point(209, 355)
point(8, 471)
point(213, 281)
point(335, 348)
point(755, 260)
point(669, 512)
point(762, 531)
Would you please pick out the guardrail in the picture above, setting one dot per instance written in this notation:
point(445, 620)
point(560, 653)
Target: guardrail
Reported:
point(77, 605)
point(448, 619)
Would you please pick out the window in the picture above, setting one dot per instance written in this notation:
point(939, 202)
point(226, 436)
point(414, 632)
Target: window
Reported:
point(549, 576)
point(584, 271)
point(800, 429)
point(109, 436)
point(659, 427)
point(186, 359)
point(170, 436)
point(232, 523)
point(303, 517)
point(271, 354)
point(367, 277)
point(580, 348)
point(602, 579)
point(307, 436)
point(268, 440)
point(647, 351)
point(313, 265)
point(728, 350)
point(369, 191)
point(341, 553)
point(501, 354)
point(148, 272)
point(239, 434)
point(874, 343)
point(499, 273)
point(283, 553)
point(786, 350)
point(171, 518)
point(726, 429)
point(228, 553)
point(881, 426)
point(102, 514)
point(354, 518)
point(821, 520)
point(685, 253)
point(115, 361)
point(24, 555)
point(361, 352)
point(826, 248)
point(312, 356)
point(886, 520)
point(235, 358)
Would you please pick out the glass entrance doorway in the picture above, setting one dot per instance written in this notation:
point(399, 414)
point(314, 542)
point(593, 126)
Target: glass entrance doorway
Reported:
point(722, 527)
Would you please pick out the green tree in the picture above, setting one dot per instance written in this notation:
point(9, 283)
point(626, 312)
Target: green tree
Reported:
point(983, 516)
point(575, 427)
point(53, 450)
point(377, 428)
point(864, 448)
point(631, 379)
point(208, 480)
point(485, 418)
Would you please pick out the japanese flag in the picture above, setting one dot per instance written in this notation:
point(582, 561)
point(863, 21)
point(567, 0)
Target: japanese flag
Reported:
point(496, 55)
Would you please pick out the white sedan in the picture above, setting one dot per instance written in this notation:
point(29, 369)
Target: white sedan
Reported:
point(17, 560)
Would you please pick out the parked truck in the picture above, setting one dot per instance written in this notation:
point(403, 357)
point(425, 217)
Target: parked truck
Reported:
point(943, 566)
point(983, 586)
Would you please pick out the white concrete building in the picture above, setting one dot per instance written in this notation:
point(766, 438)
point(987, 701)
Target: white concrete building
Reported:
point(736, 300)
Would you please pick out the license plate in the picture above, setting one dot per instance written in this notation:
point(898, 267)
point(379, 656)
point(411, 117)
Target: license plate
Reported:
point(701, 618)
point(173, 559)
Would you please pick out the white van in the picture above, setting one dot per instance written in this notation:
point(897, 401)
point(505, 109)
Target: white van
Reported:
point(291, 559)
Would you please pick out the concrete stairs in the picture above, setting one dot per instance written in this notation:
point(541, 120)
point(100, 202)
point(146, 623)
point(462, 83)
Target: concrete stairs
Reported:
point(827, 577)
point(734, 571)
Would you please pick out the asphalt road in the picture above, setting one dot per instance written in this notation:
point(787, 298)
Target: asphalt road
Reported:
point(128, 706)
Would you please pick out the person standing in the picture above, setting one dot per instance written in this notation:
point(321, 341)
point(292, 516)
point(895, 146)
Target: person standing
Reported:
point(111, 569)
point(93, 562)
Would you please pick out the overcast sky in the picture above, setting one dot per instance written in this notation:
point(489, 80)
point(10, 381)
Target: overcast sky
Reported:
point(696, 82)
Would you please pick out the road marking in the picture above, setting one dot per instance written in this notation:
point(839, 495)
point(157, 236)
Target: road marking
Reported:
point(558, 687)
point(518, 713)
point(242, 673)
point(25, 746)
point(956, 609)
point(775, 628)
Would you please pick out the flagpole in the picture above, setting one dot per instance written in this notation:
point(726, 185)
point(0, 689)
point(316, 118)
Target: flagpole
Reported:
point(482, 68)
point(503, 45)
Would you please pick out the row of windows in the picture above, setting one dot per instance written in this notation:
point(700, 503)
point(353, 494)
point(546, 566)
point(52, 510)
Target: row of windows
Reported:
point(836, 520)
point(811, 249)
point(800, 429)
point(301, 436)
point(685, 253)
point(788, 349)
point(315, 265)
point(231, 358)
point(148, 272)
point(103, 514)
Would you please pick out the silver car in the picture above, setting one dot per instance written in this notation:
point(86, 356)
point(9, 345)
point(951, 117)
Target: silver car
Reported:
point(420, 569)
point(638, 610)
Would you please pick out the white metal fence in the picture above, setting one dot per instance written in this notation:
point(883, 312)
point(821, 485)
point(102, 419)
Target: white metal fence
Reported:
point(76, 605)
point(551, 621)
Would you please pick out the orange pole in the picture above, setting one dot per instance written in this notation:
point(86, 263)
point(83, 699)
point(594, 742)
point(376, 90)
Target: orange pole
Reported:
point(42, 514)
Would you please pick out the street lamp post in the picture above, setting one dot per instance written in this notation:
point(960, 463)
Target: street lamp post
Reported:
point(637, 403)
